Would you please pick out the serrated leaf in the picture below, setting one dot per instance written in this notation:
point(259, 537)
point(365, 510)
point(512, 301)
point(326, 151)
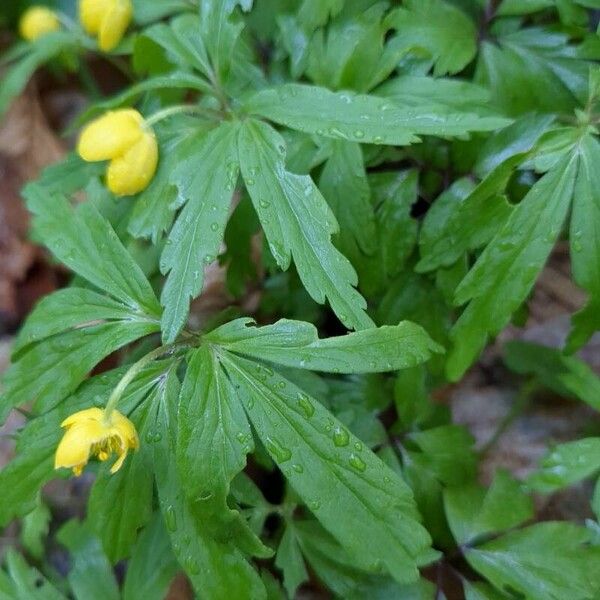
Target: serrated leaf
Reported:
point(74, 308)
point(79, 237)
point(298, 223)
point(330, 469)
point(566, 375)
point(439, 28)
point(533, 562)
point(459, 223)
point(213, 439)
point(216, 567)
point(33, 378)
point(584, 237)
point(506, 270)
point(344, 185)
point(91, 574)
point(361, 118)
point(206, 180)
point(289, 560)
point(473, 511)
point(152, 566)
point(296, 344)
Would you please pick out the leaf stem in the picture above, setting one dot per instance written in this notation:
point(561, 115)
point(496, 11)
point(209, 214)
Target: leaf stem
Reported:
point(134, 370)
point(179, 109)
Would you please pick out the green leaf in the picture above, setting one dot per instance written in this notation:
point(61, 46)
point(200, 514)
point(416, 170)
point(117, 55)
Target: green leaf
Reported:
point(289, 560)
point(344, 185)
point(91, 575)
point(33, 377)
point(546, 561)
point(35, 528)
point(120, 504)
point(359, 117)
point(414, 91)
point(84, 241)
point(206, 179)
point(506, 270)
point(566, 375)
point(474, 512)
point(298, 223)
point(584, 239)
point(152, 566)
point(363, 503)
point(216, 567)
point(220, 32)
point(74, 308)
point(567, 464)
point(446, 33)
point(212, 423)
point(447, 452)
point(296, 344)
point(147, 11)
point(23, 582)
point(459, 223)
point(38, 52)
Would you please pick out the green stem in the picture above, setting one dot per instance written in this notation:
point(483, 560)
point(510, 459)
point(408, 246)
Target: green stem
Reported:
point(134, 370)
point(176, 110)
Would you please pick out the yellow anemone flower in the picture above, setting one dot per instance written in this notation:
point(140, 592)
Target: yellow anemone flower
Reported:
point(106, 19)
point(37, 21)
point(122, 137)
point(91, 432)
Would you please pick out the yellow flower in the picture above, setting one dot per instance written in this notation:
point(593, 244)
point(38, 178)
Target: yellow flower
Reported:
point(90, 432)
point(122, 137)
point(37, 21)
point(106, 19)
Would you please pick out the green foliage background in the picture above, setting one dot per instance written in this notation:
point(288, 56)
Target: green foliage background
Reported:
point(409, 167)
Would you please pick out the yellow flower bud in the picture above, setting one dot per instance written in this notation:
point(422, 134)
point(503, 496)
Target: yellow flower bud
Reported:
point(132, 172)
point(122, 137)
point(38, 21)
point(106, 19)
point(93, 432)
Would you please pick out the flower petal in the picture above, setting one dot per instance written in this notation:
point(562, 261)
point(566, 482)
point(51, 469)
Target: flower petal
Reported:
point(114, 24)
point(119, 462)
point(111, 135)
point(38, 21)
point(83, 415)
point(74, 448)
point(91, 13)
point(132, 172)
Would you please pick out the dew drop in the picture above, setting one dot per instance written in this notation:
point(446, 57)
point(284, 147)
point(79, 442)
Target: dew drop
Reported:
point(314, 505)
point(171, 519)
point(250, 181)
point(359, 133)
point(306, 405)
point(357, 463)
point(191, 565)
point(264, 203)
point(298, 468)
point(378, 139)
point(214, 226)
point(340, 437)
point(358, 446)
point(281, 453)
point(157, 437)
point(209, 258)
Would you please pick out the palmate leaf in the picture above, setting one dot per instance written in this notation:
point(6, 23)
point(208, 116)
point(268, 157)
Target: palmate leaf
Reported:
point(216, 568)
point(362, 502)
point(296, 344)
point(360, 117)
point(507, 269)
point(206, 179)
point(439, 28)
point(298, 223)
